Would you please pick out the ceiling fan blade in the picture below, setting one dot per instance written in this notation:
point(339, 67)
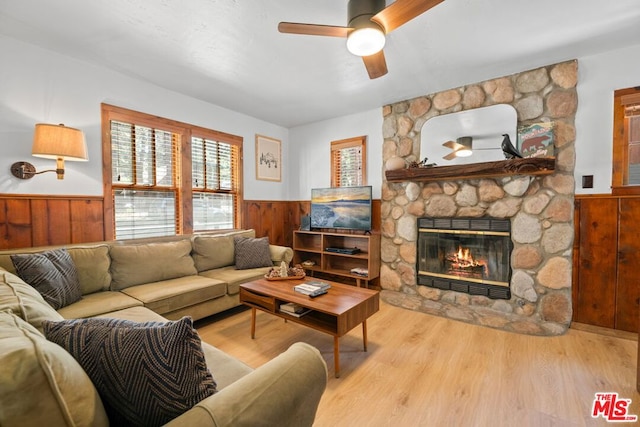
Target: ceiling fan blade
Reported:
point(402, 11)
point(376, 65)
point(313, 29)
point(450, 156)
point(452, 144)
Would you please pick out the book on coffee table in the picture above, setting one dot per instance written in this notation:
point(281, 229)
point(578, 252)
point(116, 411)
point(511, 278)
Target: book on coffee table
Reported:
point(291, 307)
point(294, 309)
point(312, 289)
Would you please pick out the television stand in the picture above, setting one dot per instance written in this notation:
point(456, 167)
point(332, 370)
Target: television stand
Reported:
point(342, 254)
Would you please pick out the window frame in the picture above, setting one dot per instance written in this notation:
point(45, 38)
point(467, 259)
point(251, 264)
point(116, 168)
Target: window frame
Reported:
point(620, 165)
point(220, 137)
point(183, 184)
point(336, 146)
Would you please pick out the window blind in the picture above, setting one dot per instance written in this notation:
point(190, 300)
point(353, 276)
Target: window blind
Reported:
point(215, 183)
point(144, 213)
point(149, 168)
point(347, 162)
point(144, 170)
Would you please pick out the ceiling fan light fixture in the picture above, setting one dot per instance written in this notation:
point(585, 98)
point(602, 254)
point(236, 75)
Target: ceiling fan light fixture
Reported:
point(465, 144)
point(366, 41)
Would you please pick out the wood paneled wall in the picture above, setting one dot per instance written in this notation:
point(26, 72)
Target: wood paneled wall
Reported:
point(27, 221)
point(605, 275)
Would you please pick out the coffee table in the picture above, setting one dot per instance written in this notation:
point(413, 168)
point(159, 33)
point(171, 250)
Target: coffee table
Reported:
point(335, 313)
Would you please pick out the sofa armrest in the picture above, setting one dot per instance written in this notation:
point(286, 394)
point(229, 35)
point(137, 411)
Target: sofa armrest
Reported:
point(280, 253)
point(284, 391)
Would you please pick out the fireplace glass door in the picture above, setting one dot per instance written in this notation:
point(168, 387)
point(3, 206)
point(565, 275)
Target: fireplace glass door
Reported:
point(465, 256)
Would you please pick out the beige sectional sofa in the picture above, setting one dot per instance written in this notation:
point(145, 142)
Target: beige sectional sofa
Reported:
point(41, 384)
point(192, 275)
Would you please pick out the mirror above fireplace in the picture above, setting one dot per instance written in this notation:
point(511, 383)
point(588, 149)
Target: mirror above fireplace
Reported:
point(477, 134)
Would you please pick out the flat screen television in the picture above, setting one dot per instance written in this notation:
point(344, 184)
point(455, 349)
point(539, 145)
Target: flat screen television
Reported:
point(341, 207)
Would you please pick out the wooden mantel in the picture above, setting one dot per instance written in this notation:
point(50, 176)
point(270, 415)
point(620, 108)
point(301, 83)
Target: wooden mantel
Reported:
point(528, 166)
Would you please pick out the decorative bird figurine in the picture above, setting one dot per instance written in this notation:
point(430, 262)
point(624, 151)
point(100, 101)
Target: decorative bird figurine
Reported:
point(510, 152)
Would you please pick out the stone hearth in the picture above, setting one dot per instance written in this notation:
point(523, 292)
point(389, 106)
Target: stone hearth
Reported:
point(540, 208)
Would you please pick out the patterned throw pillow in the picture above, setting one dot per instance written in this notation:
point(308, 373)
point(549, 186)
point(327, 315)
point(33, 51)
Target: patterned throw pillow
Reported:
point(147, 373)
point(252, 253)
point(52, 273)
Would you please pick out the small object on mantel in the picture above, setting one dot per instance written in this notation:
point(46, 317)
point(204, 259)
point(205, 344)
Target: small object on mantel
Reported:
point(510, 152)
point(395, 163)
point(422, 164)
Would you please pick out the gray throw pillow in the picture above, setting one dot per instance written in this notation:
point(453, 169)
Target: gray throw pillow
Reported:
point(52, 273)
point(147, 373)
point(252, 252)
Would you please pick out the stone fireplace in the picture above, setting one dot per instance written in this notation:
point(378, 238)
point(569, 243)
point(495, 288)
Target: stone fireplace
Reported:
point(470, 255)
point(539, 209)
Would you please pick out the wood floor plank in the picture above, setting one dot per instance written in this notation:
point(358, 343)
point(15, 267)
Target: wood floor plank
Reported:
point(423, 370)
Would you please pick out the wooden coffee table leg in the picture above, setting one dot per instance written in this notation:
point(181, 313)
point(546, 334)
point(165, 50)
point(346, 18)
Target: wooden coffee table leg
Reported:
point(253, 322)
point(336, 356)
point(364, 334)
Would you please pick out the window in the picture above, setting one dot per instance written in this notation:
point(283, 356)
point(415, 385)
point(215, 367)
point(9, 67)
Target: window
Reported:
point(626, 142)
point(164, 178)
point(143, 163)
point(348, 162)
point(212, 164)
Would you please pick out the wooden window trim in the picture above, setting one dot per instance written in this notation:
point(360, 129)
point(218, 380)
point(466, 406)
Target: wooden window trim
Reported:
point(184, 196)
point(200, 132)
point(621, 146)
point(358, 141)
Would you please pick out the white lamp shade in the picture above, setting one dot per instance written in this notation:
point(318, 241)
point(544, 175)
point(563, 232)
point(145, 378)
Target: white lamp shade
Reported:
point(59, 141)
point(365, 41)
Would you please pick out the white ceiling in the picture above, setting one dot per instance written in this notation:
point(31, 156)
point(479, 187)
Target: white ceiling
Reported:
point(229, 52)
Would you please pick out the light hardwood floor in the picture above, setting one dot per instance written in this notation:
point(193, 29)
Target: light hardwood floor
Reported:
point(423, 370)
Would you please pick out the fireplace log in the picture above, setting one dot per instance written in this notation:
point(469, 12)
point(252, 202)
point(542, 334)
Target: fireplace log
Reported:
point(526, 166)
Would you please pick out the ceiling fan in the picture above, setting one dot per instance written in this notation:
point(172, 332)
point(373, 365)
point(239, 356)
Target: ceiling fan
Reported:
point(369, 21)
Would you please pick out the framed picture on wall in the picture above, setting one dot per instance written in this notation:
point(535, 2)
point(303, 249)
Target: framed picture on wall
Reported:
point(268, 158)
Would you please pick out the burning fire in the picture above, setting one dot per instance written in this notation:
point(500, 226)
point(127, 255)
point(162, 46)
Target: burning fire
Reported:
point(463, 259)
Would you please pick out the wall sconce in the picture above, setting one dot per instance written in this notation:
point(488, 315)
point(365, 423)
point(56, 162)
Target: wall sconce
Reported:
point(53, 142)
point(461, 147)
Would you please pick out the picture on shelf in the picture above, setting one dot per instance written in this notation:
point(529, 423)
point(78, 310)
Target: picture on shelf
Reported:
point(536, 140)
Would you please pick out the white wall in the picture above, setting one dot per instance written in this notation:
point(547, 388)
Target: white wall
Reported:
point(310, 154)
point(40, 86)
point(37, 85)
point(598, 77)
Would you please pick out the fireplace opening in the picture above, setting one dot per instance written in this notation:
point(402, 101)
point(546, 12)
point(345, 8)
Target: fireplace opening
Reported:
point(470, 255)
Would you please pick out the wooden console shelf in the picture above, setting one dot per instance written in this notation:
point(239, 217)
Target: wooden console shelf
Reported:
point(312, 245)
point(527, 166)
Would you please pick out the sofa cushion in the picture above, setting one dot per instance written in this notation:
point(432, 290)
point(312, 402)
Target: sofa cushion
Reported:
point(52, 273)
point(152, 262)
point(98, 303)
point(215, 251)
point(235, 278)
point(24, 301)
point(147, 373)
point(225, 369)
point(169, 295)
point(92, 263)
point(40, 383)
point(252, 252)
